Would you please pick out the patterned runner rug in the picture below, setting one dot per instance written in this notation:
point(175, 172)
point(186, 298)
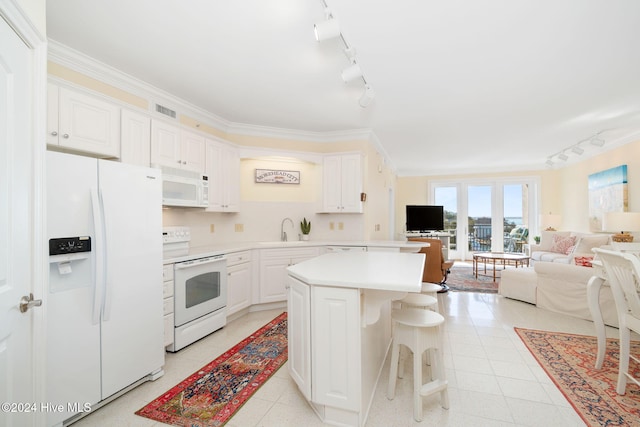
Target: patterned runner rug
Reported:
point(569, 361)
point(463, 279)
point(211, 396)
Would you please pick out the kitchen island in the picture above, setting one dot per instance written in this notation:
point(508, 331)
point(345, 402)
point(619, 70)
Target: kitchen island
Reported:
point(339, 307)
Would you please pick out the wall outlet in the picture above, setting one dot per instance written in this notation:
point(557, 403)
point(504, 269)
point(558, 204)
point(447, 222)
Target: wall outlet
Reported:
point(239, 228)
point(212, 228)
point(332, 226)
point(377, 227)
point(340, 226)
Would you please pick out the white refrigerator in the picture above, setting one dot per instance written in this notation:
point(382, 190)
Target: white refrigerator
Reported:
point(104, 303)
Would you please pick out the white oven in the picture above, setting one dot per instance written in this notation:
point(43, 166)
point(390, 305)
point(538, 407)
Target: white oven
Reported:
point(200, 299)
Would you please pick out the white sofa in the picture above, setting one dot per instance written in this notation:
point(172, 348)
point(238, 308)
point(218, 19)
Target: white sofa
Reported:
point(582, 245)
point(557, 287)
point(555, 282)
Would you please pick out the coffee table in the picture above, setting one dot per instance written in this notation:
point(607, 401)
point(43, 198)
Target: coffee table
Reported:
point(499, 257)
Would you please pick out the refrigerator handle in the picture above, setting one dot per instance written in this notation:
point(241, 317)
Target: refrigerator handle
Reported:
point(98, 280)
point(106, 308)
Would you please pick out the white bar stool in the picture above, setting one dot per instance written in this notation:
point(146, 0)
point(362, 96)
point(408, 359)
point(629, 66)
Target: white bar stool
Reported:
point(432, 289)
point(418, 330)
point(420, 300)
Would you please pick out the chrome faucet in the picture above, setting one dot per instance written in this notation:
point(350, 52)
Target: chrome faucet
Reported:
point(283, 234)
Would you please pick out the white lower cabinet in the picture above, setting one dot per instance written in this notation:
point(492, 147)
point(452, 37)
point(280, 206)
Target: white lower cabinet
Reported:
point(167, 291)
point(273, 270)
point(325, 351)
point(238, 281)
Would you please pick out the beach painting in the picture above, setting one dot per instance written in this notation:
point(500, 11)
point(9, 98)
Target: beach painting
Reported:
point(607, 193)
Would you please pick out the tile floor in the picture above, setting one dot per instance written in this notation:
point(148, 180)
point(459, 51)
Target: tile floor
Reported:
point(493, 379)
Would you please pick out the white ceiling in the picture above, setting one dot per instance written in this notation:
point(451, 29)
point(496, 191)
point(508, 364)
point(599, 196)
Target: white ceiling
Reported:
point(461, 85)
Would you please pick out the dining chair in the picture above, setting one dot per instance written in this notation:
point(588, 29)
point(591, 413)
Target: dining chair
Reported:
point(623, 273)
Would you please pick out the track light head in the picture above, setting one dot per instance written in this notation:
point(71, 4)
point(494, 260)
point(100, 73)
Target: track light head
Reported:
point(367, 97)
point(563, 157)
point(549, 162)
point(597, 141)
point(577, 150)
point(326, 30)
point(351, 73)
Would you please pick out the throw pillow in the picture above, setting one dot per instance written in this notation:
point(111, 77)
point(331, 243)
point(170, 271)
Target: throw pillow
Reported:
point(562, 244)
point(587, 243)
point(584, 261)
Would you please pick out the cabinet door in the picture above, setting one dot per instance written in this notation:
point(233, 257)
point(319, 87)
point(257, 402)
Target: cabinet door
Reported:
point(52, 114)
point(331, 184)
point(223, 168)
point(135, 138)
point(165, 144)
point(336, 377)
point(88, 124)
point(299, 334)
point(238, 287)
point(351, 183)
point(273, 275)
point(192, 151)
point(231, 160)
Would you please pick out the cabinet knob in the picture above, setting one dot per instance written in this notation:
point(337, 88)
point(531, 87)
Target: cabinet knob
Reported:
point(54, 133)
point(65, 136)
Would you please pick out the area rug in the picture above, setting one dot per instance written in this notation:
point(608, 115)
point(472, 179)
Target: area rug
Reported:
point(210, 396)
point(463, 279)
point(569, 361)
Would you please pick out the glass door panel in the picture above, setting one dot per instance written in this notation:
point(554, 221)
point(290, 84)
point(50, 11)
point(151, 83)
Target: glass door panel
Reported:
point(479, 217)
point(447, 196)
point(515, 215)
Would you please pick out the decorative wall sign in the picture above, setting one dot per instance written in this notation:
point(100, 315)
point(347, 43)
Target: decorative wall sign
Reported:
point(269, 176)
point(607, 193)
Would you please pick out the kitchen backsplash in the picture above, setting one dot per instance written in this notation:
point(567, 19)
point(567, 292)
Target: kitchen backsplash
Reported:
point(261, 221)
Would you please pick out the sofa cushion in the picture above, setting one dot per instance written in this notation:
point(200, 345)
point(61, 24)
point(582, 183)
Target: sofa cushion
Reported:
point(562, 244)
point(587, 243)
point(546, 239)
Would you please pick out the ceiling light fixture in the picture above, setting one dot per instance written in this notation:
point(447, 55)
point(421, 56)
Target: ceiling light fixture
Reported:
point(597, 141)
point(563, 157)
point(549, 162)
point(351, 73)
point(330, 29)
point(326, 30)
point(367, 97)
point(576, 149)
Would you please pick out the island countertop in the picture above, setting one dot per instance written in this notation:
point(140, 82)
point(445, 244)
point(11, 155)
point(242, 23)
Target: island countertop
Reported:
point(389, 271)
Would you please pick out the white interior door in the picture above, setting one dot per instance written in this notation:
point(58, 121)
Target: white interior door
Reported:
point(16, 230)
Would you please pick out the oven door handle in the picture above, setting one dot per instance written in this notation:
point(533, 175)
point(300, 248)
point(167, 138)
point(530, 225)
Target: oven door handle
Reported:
point(197, 262)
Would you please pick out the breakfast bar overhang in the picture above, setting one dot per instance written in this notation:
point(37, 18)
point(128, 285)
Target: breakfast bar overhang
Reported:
point(339, 327)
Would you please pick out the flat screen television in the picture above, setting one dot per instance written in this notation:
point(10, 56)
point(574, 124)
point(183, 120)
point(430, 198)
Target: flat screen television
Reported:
point(423, 218)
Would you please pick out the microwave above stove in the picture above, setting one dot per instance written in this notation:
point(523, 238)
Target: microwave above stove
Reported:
point(184, 188)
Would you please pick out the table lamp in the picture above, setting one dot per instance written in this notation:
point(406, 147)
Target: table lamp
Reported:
point(621, 222)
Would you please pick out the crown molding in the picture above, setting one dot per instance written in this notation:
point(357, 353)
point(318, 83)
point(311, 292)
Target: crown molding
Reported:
point(81, 63)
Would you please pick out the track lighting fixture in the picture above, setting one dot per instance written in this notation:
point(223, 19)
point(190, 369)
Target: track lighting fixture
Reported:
point(576, 149)
point(326, 30)
point(549, 162)
point(367, 96)
point(351, 73)
point(563, 157)
point(597, 141)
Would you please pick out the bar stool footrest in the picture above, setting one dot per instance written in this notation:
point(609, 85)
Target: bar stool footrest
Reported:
point(433, 387)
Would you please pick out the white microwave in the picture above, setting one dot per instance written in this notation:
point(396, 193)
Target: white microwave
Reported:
point(184, 188)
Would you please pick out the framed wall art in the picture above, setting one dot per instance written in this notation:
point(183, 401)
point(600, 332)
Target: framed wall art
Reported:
point(270, 176)
point(607, 193)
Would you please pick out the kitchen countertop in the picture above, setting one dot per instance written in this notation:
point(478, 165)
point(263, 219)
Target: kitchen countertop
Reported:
point(225, 248)
point(389, 271)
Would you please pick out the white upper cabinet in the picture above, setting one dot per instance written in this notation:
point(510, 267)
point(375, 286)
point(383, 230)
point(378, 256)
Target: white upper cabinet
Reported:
point(223, 170)
point(81, 122)
point(176, 148)
point(342, 183)
point(135, 135)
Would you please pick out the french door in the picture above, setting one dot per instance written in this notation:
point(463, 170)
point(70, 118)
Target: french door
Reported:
point(487, 215)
